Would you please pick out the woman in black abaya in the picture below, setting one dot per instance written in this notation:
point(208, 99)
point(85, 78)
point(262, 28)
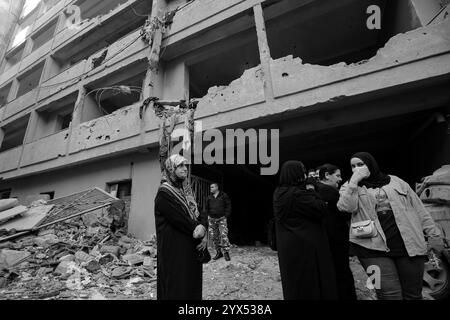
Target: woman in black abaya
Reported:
point(304, 256)
point(179, 231)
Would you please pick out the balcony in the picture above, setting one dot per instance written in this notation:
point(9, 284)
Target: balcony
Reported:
point(21, 103)
point(9, 159)
point(45, 149)
point(78, 43)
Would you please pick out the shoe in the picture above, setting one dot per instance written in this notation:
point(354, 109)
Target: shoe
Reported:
point(227, 256)
point(218, 255)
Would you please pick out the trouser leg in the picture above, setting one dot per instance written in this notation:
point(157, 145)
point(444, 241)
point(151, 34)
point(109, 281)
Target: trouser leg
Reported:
point(410, 271)
point(383, 272)
point(214, 232)
point(223, 231)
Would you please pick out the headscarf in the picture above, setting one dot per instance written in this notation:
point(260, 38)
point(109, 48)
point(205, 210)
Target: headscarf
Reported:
point(170, 165)
point(292, 176)
point(377, 179)
point(292, 173)
point(178, 188)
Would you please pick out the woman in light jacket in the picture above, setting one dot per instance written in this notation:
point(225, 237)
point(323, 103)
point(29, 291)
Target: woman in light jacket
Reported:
point(394, 254)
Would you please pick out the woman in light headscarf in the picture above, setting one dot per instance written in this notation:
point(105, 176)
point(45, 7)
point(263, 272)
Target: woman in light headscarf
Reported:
point(306, 265)
point(180, 232)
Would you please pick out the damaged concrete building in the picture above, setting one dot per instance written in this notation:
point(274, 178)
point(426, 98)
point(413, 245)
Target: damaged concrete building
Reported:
point(71, 92)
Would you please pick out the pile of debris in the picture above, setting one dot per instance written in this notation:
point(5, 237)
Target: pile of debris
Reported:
point(69, 255)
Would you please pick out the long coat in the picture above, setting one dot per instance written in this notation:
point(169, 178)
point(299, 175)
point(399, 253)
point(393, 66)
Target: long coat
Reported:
point(337, 225)
point(306, 265)
point(178, 270)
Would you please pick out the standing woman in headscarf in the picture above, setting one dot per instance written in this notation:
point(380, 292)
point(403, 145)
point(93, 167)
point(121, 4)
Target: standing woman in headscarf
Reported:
point(180, 232)
point(392, 222)
point(304, 256)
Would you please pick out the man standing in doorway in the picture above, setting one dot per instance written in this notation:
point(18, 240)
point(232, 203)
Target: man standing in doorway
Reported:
point(218, 208)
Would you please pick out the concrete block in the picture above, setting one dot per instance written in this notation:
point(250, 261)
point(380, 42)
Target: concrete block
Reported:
point(6, 204)
point(11, 213)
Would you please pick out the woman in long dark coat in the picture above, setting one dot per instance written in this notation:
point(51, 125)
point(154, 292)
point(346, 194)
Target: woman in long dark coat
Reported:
point(179, 231)
point(304, 256)
point(337, 225)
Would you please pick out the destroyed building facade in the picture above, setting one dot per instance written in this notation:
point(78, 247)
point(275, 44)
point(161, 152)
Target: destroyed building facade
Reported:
point(74, 75)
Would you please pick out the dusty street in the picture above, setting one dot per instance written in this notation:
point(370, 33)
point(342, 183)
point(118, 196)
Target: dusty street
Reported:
point(253, 273)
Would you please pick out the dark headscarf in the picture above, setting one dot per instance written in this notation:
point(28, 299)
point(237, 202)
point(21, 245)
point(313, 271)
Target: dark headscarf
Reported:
point(292, 173)
point(292, 177)
point(377, 179)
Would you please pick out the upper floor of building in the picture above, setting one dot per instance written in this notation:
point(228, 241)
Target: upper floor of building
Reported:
point(69, 94)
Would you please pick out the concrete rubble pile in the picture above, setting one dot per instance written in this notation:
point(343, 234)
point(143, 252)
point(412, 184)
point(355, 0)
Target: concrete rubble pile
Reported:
point(85, 257)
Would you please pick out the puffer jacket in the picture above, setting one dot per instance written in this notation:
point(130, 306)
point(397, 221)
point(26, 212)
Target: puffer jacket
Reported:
point(412, 219)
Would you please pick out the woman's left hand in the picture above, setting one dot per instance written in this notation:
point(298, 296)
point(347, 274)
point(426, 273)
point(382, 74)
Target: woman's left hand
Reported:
point(436, 244)
point(203, 244)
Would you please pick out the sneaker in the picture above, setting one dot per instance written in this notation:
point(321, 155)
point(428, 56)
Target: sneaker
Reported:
point(218, 255)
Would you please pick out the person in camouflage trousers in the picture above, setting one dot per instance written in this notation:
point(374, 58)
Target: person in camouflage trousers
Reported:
point(218, 208)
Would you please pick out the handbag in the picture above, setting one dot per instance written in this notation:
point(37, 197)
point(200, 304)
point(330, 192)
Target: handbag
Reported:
point(363, 229)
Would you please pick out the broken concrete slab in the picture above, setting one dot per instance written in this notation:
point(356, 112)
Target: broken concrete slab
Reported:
point(67, 257)
point(29, 219)
point(29, 200)
point(133, 259)
point(115, 250)
point(82, 256)
point(11, 213)
point(92, 266)
point(65, 268)
point(121, 272)
point(9, 258)
point(90, 219)
point(6, 204)
point(46, 241)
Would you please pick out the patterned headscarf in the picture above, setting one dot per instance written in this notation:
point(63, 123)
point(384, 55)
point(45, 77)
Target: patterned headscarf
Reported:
point(179, 188)
point(171, 165)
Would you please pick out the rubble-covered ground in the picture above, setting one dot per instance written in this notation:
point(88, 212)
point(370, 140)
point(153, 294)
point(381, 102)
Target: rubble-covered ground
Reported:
point(253, 273)
point(78, 259)
point(73, 261)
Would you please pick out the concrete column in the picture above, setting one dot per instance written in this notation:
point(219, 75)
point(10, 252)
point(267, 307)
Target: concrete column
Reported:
point(145, 178)
point(148, 88)
point(264, 51)
point(14, 89)
point(33, 124)
point(10, 12)
point(176, 81)
point(77, 118)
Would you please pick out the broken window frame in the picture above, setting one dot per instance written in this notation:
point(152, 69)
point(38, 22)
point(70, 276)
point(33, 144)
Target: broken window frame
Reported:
point(51, 194)
point(8, 94)
point(40, 66)
point(114, 187)
point(5, 193)
point(18, 50)
point(52, 24)
point(8, 132)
